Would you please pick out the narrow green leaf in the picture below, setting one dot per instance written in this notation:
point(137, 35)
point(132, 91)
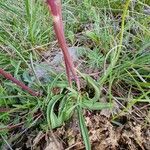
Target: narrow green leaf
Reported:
point(95, 105)
point(51, 117)
point(67, 113)
point(55, 121)
point(93, 84)
point(83, 129)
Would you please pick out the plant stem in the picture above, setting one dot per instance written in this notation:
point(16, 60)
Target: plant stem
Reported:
point(19, 83)
point(55, 9)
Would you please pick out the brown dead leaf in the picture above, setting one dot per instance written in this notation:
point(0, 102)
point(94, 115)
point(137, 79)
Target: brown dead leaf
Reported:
point(109, 137)
point(128, 137)
point(138, 136)
point(38, 138)
point(147, 139)
point(54, 144)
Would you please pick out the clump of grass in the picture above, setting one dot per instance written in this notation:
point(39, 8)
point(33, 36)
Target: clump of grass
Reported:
point(95, 58)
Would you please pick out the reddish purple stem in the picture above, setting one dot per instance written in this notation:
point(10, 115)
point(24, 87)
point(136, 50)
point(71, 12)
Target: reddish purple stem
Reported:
point(55, 9)
point(19, 83)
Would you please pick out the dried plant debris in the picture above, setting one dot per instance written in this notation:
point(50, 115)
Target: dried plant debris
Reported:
point(53, 143)
point(105, 135)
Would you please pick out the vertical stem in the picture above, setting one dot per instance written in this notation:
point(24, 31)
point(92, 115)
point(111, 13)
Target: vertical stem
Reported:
point(55, 9)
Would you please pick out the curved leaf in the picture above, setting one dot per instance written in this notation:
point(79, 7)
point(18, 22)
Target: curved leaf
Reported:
point(83, 129)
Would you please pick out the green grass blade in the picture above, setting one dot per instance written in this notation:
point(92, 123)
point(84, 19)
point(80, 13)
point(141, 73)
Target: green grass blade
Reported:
point(95, 105)
point(83, 128)
point(51, 117)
